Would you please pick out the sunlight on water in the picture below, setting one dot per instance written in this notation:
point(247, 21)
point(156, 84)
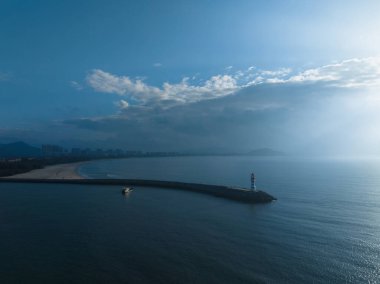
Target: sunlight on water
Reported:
point(324, 225)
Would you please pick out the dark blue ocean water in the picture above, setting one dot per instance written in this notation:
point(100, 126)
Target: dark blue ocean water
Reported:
point(324, 228)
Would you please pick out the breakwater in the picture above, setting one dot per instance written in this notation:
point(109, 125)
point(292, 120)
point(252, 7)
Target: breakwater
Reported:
point(233, 193)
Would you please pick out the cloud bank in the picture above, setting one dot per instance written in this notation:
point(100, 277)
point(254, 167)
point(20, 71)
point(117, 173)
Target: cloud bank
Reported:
point(364, 72)
point(325, 109)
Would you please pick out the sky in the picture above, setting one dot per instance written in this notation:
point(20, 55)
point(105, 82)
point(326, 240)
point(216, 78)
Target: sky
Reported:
point(297, 76)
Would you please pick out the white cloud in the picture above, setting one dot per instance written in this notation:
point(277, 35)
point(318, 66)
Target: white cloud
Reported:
point(169, 94)
point(76, 85)
point(254, 76)
point(278, 73)
point(363, 72)
point(356, 72)
point(123, 104)
point(107, 83)
point(157, 64)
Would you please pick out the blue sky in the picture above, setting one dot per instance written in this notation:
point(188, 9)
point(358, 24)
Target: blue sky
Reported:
point(168, 72)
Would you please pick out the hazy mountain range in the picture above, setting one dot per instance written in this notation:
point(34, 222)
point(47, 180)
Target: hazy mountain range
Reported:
point(22, 150)
point(19, 149)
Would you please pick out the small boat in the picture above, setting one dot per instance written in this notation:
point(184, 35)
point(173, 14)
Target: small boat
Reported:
point(126, 190)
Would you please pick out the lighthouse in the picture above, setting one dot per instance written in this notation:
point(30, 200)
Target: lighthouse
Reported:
point(253, 180)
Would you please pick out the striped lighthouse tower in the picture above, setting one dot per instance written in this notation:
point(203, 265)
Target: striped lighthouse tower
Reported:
point(253, 181)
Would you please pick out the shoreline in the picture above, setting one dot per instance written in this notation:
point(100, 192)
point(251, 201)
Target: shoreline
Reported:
point(59, 171)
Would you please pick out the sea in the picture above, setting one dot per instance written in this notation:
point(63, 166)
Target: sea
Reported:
point(324, 227)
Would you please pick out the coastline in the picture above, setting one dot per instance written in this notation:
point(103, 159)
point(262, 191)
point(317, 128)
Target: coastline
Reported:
point(68, 174)
point(60, 171)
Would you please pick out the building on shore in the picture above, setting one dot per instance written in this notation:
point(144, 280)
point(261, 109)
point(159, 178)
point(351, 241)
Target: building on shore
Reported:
point(52, 150)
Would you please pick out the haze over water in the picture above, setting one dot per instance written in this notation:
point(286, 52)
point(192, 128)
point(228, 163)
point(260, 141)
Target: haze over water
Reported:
point(324, 227)
point(99, 78)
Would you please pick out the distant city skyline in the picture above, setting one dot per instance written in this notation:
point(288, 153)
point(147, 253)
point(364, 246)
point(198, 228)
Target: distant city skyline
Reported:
point(295, 76)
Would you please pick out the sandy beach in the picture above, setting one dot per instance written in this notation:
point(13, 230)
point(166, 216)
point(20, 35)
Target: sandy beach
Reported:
point(61, 171)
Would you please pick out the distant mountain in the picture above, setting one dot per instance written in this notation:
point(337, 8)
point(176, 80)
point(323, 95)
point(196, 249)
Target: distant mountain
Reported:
point(265, 152)
point(18, 150)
